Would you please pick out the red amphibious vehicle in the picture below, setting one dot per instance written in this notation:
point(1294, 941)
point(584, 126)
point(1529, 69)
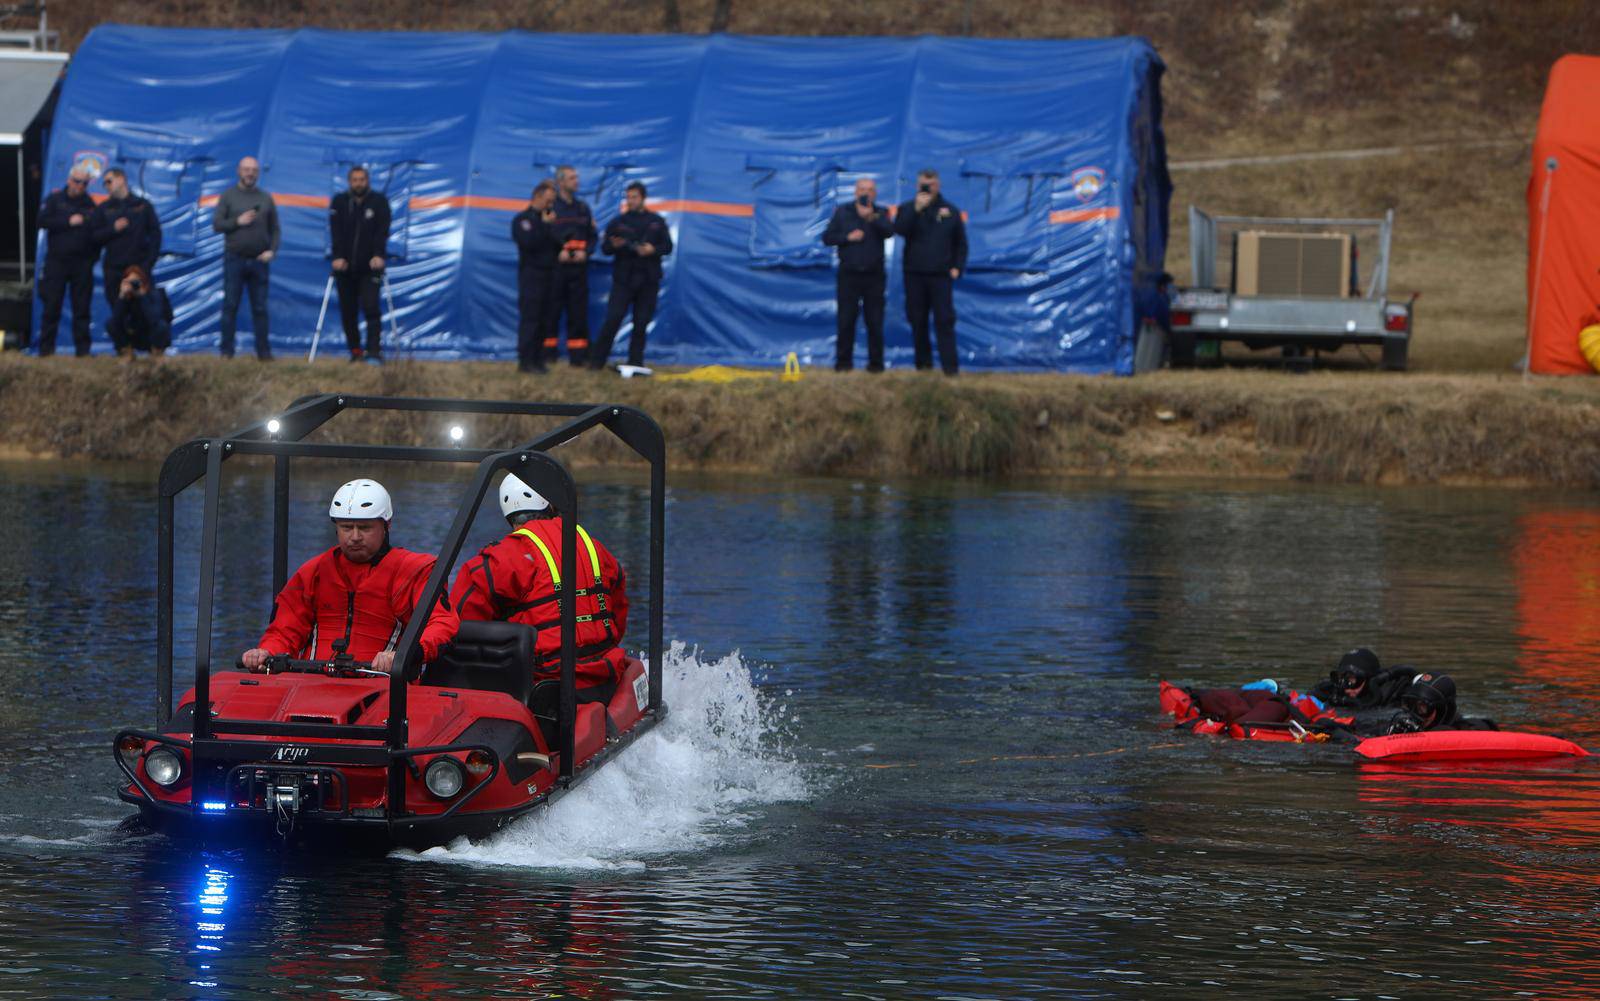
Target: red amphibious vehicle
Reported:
point(331, 751)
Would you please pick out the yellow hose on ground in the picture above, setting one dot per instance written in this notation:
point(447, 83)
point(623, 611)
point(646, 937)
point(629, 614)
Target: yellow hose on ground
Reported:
point(1589, 344)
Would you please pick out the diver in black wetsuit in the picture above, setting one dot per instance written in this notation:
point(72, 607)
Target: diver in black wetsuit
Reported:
point(1429, 704)
point(1359, 682)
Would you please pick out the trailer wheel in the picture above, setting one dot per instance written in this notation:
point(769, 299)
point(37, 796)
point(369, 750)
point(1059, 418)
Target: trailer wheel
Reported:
point(1394, 354)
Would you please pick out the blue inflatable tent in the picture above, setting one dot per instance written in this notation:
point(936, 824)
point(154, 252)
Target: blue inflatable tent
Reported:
point(1053, 149)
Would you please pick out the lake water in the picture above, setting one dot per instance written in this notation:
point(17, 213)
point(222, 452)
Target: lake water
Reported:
point(914, 752)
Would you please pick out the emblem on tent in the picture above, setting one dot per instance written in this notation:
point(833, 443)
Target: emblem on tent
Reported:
point(91, 160)
point(1087, 182)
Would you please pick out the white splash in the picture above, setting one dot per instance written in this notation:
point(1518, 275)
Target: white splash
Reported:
point(689, 784)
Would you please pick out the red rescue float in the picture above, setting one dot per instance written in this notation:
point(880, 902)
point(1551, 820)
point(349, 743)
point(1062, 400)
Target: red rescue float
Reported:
point(1467, 745)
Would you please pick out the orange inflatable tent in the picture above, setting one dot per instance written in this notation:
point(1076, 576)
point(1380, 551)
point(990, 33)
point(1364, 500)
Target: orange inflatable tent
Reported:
point(1564, 218)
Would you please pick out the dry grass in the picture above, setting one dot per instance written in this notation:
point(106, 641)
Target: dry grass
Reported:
point(1327, 426)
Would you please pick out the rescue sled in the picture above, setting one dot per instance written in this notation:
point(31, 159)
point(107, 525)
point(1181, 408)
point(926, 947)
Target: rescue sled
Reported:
point(1177, 703)
point(329, 751)
point(1399, 748)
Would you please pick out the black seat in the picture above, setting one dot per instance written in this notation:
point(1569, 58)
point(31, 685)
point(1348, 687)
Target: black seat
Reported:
point(488, 656)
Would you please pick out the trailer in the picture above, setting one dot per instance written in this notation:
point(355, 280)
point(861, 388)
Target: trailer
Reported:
point(1290, 283)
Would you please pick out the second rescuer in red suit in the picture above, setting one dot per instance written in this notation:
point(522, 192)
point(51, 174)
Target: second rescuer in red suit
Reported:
point(362, 591)
point(518, 580)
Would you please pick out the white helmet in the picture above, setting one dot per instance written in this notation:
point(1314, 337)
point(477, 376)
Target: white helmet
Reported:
point(361, 499)
point(516, 495)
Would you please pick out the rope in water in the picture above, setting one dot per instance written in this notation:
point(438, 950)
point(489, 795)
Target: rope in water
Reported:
point(1036, 757)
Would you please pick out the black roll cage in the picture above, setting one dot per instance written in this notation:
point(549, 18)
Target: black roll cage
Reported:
point(203, 458)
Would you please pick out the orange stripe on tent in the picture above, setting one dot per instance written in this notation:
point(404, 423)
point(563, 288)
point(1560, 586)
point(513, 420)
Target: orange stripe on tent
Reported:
point(518, 204)
point(302, 201)
point(735, 209)
point(297, 201)
point(894, 212)
point(1083, 215)
point(468, 202)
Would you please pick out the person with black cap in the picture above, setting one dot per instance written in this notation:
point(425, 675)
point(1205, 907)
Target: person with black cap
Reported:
point(1430, 704)
point(1359, 682)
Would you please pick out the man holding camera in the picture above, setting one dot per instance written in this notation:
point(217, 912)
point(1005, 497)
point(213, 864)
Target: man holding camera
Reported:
point(129, 230)
point(68, 261)
point(935, 256)
point(638, 238)
point(574, 228)
point(537, 248)
point(140, 316)
point(248, 217)
point(358, 224)
point(858, 228)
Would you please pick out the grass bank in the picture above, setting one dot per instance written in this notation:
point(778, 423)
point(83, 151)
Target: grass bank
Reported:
point(1327, 426)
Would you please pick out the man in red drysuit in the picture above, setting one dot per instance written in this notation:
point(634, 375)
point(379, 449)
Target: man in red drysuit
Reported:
point(361, 592)
point(518, 579)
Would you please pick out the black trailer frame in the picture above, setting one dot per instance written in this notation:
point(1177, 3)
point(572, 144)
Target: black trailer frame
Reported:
point(202, 459)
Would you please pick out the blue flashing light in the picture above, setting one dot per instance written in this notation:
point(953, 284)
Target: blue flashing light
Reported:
point(211, 806)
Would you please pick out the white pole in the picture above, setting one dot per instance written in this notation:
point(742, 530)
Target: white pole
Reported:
point(394, 319)
point(327, 290)
point(1538, 265)
point(22, 225)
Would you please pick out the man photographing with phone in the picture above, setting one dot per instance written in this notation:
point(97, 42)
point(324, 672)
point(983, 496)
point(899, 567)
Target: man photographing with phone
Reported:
point(858, 228)
point(935, 256)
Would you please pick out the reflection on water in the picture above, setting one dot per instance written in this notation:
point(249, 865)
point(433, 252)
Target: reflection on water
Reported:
point(914, 752)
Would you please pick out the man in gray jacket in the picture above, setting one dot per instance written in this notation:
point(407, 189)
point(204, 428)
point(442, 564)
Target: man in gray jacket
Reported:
point(248, 218)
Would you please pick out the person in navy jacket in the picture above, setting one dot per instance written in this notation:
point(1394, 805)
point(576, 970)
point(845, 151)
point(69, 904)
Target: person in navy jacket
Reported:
point(358, 226)
point(537, 248)
point(69, 256)
point(638, 238)
point(935, 256)
point(127, 228)
point(574, 227)
point(858, 229)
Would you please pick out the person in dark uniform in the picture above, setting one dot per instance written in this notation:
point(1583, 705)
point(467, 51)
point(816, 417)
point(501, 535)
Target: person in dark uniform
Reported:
point(1427, 703)
point(358, 220)
point(858, 228)
point(1430, 704)
point(639, 239)
point(537, 248)
point(142, 317)
point(1360, 682)
point(129, 230)
point(68, 261)
point(574, 228)
point(935, 256)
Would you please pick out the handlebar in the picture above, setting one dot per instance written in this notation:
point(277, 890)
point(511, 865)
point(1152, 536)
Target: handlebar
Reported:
point(334, 667)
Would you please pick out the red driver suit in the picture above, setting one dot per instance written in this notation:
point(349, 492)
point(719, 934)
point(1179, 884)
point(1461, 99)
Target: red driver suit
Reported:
point(369, 604)
point(518, 579)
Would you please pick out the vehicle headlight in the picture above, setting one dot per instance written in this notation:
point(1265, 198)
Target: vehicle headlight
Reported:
point(163, 766)
point(444, 777)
